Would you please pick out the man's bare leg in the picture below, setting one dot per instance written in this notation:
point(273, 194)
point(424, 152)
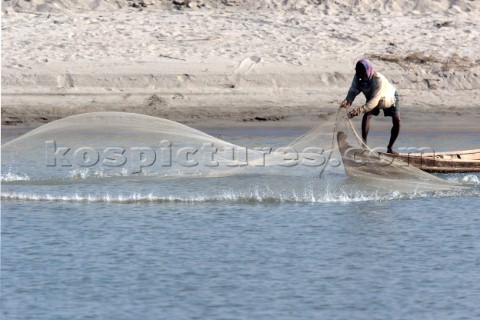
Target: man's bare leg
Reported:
point(366, 125)
point(394, 133)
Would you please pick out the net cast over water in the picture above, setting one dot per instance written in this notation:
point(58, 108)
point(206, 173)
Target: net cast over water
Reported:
point(125, 157)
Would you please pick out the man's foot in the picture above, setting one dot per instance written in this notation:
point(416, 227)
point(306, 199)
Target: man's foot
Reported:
point(389, 150)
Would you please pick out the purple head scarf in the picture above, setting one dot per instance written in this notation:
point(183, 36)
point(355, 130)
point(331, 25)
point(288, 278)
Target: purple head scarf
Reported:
point(364, 64)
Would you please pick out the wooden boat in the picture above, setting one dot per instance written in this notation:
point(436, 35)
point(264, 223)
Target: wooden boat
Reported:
point(359, 160)
point(442, 162)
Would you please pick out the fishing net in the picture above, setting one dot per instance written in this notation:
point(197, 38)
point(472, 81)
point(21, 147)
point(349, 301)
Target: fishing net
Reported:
point(114, 144)
point(364, 163)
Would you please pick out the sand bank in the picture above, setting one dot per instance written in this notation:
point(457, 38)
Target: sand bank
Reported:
point(224, 64)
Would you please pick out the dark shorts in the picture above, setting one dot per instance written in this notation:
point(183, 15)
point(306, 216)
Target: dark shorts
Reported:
point(390, 112)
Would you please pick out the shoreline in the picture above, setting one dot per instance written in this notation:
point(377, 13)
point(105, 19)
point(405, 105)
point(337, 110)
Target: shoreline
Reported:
point(412, 123)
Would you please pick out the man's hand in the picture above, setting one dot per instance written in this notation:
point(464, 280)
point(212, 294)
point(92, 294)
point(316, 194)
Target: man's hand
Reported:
point(354, 113)
point(345, 104)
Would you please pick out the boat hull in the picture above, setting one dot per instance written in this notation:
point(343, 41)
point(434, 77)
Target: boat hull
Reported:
point(357, 160)
point(442, 162)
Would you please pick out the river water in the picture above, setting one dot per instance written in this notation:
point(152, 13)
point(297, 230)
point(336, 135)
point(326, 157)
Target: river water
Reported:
point(242, 246)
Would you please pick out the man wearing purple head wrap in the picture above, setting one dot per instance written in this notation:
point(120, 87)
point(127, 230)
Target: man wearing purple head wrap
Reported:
point(380, 94)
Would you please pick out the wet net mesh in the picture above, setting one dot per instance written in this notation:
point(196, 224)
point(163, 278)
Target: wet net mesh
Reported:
point(113, 144)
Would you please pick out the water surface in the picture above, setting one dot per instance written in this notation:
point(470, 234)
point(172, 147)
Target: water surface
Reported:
point(241, 247)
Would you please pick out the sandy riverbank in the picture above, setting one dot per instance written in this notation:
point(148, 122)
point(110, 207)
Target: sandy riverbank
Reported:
point(217, 65)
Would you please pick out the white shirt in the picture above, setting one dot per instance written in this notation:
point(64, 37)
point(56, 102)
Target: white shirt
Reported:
point(380, 93)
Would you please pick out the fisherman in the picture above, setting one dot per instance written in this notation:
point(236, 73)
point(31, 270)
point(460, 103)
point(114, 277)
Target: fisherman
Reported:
point(380, 94)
